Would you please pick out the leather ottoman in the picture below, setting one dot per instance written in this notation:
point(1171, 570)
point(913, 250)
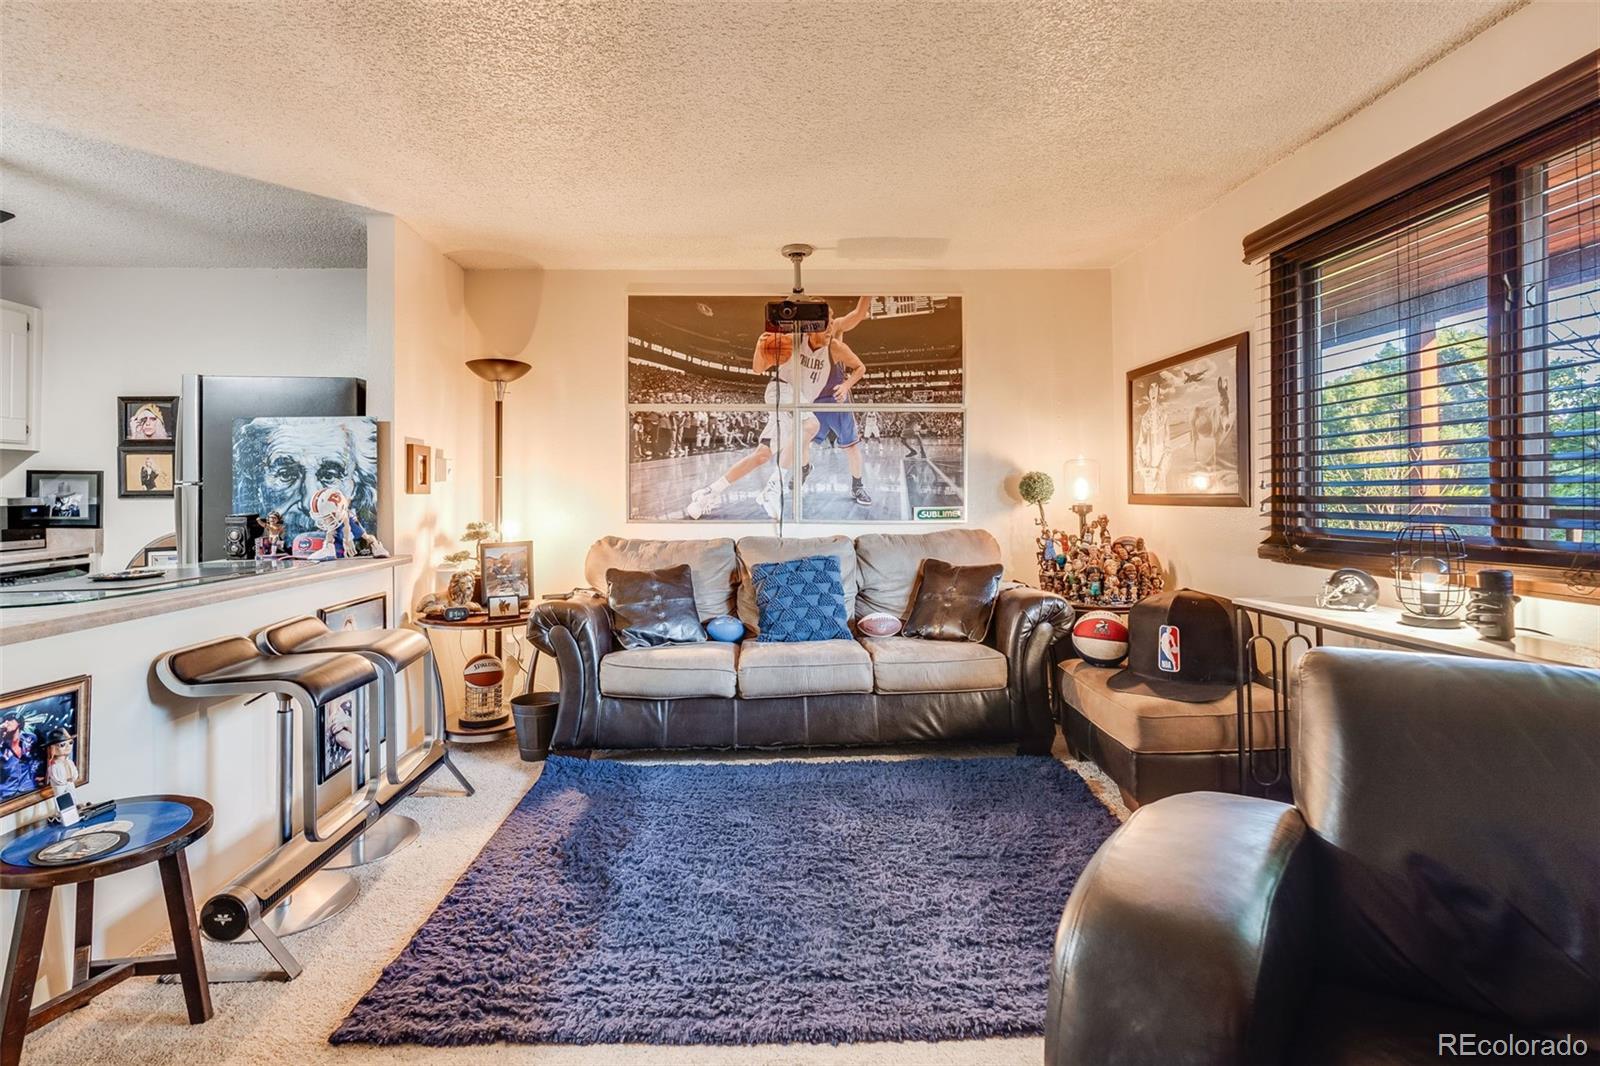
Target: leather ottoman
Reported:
point(1153, 747)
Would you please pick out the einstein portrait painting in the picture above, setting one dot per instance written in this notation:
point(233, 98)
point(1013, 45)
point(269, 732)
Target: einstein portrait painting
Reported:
point(279, 463)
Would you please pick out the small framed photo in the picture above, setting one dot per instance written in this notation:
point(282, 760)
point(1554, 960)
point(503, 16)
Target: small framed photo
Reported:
point(338, 721)
point(504, 606)
point(141, 473)
point(419, 469)
point(506, 568)
point(368, 612)
point(71, 497)
point(147, 420)
point(165, 558)
point(27, 718)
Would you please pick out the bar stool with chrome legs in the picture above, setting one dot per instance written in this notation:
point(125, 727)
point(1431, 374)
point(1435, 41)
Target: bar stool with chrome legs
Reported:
point(391, 651)
point(287, 891)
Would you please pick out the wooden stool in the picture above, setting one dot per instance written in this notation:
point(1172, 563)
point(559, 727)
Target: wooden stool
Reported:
point(162, 827)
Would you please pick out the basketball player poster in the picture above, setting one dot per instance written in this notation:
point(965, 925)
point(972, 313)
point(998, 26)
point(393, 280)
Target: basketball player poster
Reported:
point(863, 422)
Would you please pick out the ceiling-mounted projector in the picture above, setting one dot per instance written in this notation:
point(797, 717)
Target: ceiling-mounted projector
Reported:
point(799, 313)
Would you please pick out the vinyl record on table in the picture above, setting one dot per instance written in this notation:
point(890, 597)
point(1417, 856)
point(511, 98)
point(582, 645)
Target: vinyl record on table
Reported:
point(72, 850)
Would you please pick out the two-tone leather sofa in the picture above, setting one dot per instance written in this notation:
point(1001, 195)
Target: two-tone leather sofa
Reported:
point(861, 691)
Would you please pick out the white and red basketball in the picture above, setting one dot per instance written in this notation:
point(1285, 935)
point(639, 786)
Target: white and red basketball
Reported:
point(1101, 638)
point(484, 671)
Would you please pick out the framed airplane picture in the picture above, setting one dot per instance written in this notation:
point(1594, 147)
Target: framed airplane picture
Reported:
point(1188, 430)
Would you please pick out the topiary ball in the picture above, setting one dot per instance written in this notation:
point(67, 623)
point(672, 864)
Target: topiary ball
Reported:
point(1036, 487)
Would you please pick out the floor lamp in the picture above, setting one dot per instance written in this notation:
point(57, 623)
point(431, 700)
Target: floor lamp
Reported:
point(501, 372)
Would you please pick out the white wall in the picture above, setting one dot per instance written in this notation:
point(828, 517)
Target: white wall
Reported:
point(1037, 355)
point(418, 331)
point(121, 331)
point(1190, 287)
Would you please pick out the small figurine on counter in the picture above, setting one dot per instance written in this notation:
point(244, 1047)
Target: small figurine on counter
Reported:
point(330, 510)
point(62, 774)
point(273, 542)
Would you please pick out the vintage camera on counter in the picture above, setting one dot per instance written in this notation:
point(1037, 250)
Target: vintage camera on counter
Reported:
point(241, 531)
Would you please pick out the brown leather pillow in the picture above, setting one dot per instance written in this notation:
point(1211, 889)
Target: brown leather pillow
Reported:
point(652, 607)
point(953, 602)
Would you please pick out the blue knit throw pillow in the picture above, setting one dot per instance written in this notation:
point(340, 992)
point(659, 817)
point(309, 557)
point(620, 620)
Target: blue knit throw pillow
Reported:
point(802, 599)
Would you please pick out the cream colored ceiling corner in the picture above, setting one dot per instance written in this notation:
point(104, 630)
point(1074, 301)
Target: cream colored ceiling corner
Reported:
point(79, 201)
point(907, 133)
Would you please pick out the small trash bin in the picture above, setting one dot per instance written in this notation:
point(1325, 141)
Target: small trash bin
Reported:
point(534, 714)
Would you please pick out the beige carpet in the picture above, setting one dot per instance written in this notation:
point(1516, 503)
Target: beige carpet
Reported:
point(142, 1022)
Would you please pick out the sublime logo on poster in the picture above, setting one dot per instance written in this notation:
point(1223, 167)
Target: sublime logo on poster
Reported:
point(940, 514)
point(1168, 657)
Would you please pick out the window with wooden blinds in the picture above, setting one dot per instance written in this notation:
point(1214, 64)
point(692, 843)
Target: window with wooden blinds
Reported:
point(1435, 359)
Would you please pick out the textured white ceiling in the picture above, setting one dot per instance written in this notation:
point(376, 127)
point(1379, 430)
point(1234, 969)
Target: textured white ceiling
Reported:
point(705, 134)
point(82, 202)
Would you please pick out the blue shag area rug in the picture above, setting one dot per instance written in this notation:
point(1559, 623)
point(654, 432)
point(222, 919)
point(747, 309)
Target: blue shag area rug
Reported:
point(811, 902)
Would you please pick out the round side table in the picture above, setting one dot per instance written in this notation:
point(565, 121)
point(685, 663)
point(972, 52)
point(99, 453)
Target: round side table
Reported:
point(457, 731)
point(158, 829)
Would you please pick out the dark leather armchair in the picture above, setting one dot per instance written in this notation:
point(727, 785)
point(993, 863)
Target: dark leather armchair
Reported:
point(1437, 880)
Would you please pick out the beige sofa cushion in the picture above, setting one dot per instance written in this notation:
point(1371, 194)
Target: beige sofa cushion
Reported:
point(889, 562)
point(803, 668)
point(670, 672)
point(907, 664)
point(1151, 724)
point(711, 563)
point(755, 550)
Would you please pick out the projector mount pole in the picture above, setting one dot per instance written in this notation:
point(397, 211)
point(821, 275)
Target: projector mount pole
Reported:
point(796, 254)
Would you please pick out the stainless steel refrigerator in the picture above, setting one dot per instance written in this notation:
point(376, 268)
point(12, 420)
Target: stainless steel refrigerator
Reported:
point(210, 404)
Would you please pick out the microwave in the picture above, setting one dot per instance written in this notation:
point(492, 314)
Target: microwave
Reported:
point(22, 523)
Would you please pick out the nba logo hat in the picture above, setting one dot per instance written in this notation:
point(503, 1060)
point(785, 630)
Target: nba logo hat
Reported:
point(1181, 646)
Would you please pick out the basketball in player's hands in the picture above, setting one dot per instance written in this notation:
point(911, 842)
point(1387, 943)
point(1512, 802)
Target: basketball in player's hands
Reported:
point(773, 349)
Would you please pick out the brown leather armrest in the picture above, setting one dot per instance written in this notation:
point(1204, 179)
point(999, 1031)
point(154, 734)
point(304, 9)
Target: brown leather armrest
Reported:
point(577, 632)
point(1187, 939)
point(1027, 622)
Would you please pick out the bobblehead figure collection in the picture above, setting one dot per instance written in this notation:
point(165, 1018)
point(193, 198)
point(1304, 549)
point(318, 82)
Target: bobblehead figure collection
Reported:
point(1091, 568)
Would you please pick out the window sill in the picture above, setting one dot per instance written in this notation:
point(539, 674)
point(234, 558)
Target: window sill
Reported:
point(1543, 582)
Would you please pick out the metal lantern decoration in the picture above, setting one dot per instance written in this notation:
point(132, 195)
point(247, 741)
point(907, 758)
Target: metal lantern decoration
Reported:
point(1430, 576)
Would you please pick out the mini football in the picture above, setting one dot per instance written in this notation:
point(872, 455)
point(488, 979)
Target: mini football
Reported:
point(484, 671)
point(1101, 638)
point(879, 624)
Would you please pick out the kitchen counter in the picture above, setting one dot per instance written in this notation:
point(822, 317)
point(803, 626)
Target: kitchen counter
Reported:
point(140, 739)
point(178, 589)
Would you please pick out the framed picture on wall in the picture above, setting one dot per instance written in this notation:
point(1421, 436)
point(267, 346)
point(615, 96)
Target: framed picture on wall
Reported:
point(71, 497)
point(147, 420)
point(1188, 427)
point(863, 422)
point(142, 473)
point(419, 469)
point(27, 718)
